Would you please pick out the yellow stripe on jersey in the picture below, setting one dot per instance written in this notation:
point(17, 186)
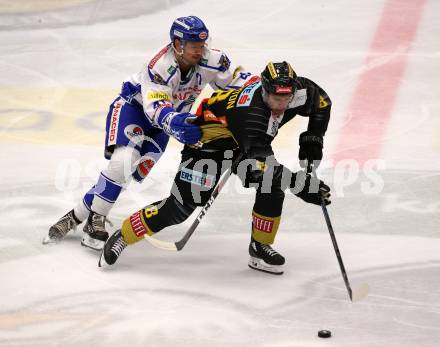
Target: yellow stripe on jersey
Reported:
point(212, 132)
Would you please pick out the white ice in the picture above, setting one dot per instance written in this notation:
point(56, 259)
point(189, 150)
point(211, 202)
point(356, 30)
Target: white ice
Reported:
point(61, 63)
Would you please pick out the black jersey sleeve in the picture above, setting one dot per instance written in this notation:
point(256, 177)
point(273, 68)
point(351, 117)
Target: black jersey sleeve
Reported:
point(317, 107)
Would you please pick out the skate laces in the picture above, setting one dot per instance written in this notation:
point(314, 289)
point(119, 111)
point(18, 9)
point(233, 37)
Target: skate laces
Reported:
point(119, 246)
point(65, 223)
point(269, 250)
point(98, 222)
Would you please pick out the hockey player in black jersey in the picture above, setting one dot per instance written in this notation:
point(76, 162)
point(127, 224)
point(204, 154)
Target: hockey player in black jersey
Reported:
point(242, 124)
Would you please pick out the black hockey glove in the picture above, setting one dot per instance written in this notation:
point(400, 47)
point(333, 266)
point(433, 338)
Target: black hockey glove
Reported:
point(310, 189)
point(310, 149)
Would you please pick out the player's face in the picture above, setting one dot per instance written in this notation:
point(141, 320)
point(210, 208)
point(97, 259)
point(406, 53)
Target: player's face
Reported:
point(193, 51)
point(278, 103)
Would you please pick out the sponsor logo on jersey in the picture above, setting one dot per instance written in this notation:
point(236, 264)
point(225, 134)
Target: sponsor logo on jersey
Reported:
point(197, 178)
point(262, 224)
point(211, 117)
point(243, 99)
point(156, 95)
point(137, 225)
point(157, 57)
point(114, 122)
point(232, 98)
point(272, 127)
point(186, 92)
point(251, 80)
point(145, 167)
point(274, 124)
point(172, 69)
point(247, 94)
point(134, 133)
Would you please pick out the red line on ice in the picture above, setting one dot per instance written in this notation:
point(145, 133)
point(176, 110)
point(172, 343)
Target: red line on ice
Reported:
point(371, 106)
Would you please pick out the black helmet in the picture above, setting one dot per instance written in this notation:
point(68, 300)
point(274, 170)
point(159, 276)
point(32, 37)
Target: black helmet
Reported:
point(278, 78)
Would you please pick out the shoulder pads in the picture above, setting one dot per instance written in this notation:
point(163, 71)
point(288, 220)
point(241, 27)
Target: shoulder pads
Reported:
point(215, 59)
point(162, 66)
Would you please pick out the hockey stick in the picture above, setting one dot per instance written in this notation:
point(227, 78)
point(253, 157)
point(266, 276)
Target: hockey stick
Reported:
point(361, 292)
point(178, 245)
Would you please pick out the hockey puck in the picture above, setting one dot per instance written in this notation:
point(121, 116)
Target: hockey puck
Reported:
point(324, 333)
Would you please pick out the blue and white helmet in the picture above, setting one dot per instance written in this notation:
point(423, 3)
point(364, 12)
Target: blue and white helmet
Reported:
point(189, 28)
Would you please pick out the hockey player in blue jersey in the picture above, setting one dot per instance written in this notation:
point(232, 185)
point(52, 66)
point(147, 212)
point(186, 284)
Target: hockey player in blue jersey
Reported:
point(152, 105)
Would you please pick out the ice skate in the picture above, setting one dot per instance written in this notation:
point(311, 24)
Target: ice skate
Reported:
point(265, 258)
point(59, 230)
point(112, 249)
point(95, 234)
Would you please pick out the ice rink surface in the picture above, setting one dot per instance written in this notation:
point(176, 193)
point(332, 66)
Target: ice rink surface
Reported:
point(61, 64)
